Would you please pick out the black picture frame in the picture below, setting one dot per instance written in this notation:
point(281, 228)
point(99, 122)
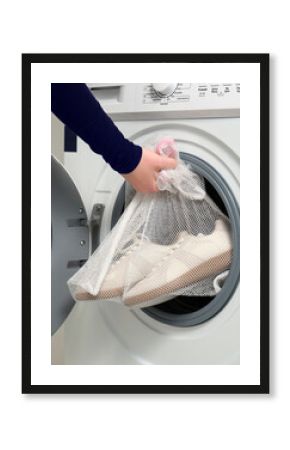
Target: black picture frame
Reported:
point(263, 61)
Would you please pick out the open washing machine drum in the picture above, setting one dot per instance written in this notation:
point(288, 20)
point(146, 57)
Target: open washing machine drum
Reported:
point(186, 310)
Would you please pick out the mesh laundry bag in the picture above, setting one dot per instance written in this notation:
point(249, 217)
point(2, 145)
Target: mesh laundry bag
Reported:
point(169, 243)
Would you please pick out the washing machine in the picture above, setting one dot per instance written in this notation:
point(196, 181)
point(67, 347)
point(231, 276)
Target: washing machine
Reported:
point(88, 198)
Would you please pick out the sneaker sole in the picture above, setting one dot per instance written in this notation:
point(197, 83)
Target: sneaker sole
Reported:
point(210, 267)
point(102, 295)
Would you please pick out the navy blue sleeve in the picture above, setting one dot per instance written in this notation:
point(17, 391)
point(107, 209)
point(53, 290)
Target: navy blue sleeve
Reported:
point(76, 107)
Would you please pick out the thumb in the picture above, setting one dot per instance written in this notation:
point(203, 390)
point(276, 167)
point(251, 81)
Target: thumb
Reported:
point(167, 163)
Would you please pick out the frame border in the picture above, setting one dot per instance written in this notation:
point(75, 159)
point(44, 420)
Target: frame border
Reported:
point(263, 60)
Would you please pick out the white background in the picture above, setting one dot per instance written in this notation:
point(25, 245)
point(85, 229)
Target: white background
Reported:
point(203, 421)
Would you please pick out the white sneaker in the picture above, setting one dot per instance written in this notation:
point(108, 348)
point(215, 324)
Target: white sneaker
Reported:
point(135, 263)
point(196, 258)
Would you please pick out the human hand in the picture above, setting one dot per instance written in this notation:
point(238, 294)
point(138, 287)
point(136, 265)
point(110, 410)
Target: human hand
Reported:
point(143, 178)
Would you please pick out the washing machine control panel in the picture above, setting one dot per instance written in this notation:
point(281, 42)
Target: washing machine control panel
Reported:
point(168, 100)
point(163, 94)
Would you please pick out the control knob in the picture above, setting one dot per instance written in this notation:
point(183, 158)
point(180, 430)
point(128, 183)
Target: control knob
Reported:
point(163, 89)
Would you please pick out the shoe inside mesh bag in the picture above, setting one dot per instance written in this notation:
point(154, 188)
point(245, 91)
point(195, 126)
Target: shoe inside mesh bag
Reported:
point(173, 242)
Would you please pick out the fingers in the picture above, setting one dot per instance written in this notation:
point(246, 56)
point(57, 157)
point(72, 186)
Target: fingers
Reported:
point(155, 187)
point(166, 163)
point(144, 177)
point(151, 185)
point(144, 184)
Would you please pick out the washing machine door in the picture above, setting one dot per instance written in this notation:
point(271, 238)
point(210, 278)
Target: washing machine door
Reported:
point(69, 240)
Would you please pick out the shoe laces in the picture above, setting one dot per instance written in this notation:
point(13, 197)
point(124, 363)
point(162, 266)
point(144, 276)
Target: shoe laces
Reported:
point(171, 250)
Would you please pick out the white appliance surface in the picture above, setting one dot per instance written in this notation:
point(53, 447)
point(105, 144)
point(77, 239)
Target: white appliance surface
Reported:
point(204, 121)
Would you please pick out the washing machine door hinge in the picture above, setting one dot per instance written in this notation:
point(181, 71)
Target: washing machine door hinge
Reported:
point(95, 224)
